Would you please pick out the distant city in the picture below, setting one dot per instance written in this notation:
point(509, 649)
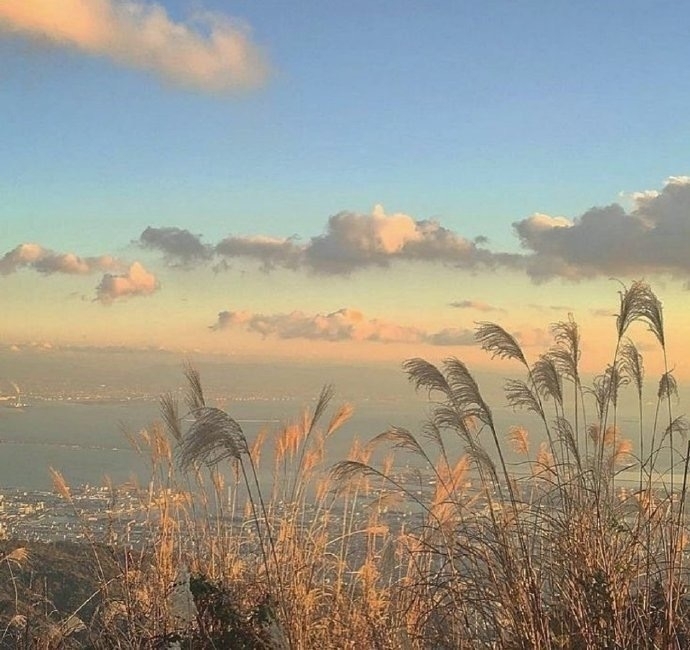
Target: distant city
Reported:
point(46, 516)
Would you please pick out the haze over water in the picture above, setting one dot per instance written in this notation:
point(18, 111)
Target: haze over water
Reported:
point(81, 432)
point(85, 442)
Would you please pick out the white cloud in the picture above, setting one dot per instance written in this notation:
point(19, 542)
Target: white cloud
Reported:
point(209, 52)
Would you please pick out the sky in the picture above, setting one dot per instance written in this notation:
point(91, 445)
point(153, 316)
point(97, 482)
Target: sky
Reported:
point(348, 182)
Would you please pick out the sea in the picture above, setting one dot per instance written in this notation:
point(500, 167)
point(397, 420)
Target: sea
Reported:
point(88, 442)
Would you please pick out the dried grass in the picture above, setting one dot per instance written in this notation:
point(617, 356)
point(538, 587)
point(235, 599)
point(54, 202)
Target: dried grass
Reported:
point(463, 552)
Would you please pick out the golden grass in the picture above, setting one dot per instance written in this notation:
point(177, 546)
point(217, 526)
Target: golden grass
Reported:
point(470, 553)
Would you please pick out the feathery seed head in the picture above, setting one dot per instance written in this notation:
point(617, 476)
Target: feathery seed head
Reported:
point(519, 438)
point(195, 392)
point(499, 343)
point(213, 437)
point(60, 485)
point(638, 302)
point(632, 366)
point(547, 379)
point(19, 555)
point(668, 386)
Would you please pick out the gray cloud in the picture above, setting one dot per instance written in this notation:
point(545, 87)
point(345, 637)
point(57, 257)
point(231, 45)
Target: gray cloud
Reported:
point(270, 251)
point(180, 247)
point(451, 336)
point(342, 325)
point(209, 52)
point(654, 237)
point(476, 305)
point(544, 308)
point(350, 243)
point(602, 313)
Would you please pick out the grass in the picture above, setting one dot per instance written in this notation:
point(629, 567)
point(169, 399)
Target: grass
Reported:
point(553, 551)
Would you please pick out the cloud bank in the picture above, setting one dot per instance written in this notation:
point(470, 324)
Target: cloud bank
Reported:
point(342, 325)
point(208, 53)
point(654, 237)
point(651, 238)
point(351, 242)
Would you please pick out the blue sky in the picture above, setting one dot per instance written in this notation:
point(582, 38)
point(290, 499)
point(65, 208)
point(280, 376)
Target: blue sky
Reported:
point(460, 111)
point(474, 114)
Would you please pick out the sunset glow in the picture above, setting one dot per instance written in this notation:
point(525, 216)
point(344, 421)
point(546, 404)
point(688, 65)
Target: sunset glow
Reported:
point(180, 178)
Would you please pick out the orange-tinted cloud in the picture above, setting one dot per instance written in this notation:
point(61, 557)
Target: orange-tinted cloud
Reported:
point(137, 281)
point(353, 241)
point(44, 260)
point(209, 53)
point(342, 325)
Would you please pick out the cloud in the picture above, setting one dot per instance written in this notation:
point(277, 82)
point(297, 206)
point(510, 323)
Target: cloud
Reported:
point(477, 305)
point(342, 325)
point(120, 279)
point(451, 336)
point(651, 238)
point(654, 237)
point(137, 281)
point(32, 346)
point(270, 251)
point(544, 308)
point(354, 241)
point(44, 260)
point(602, 313)
point(180, 247)
point(533, 337)
point(210, 52)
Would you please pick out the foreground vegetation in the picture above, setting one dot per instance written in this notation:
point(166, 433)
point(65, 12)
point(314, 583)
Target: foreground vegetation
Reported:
point(551, 552)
